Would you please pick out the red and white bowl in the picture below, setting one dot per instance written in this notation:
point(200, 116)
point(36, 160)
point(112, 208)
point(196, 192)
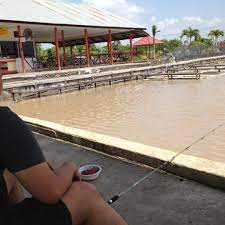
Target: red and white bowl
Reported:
point(90, 172)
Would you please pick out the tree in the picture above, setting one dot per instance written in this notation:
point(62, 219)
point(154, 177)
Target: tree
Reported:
point(215, 34)
point(80, 49)
point(95, 49)
point(154, 32)
point(117, 45)
point(40, 50)
point(190, 33)
point(207, 42)
point(170, 44)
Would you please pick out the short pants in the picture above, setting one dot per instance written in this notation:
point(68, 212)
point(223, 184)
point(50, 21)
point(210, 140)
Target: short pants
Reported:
point(31, 211)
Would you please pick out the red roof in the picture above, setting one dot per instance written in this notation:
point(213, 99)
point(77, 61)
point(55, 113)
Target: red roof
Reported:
point(147, 41)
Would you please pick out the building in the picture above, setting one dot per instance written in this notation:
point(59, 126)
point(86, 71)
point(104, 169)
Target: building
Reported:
point(63, 24)
point(147, 42)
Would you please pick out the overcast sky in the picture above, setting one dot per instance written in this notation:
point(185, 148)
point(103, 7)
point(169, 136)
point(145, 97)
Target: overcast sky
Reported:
point(171, 16)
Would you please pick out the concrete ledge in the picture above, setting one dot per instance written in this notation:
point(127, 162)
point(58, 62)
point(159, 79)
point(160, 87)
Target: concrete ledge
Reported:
point(198, 169)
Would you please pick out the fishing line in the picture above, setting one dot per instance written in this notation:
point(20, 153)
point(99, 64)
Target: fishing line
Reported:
point(117, 197)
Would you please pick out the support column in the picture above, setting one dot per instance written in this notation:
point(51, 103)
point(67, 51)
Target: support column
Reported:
point(110, 52)
point(64, 49)
point(88, 55)
point(131, 47)
point(57, 48)
point(108, 44)
point(21, 49)
point(71, 52)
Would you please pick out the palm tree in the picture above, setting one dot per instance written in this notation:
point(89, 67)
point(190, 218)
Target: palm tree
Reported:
point(206, 42)
point(215, 34)
point(154, 32)
point(190, 33)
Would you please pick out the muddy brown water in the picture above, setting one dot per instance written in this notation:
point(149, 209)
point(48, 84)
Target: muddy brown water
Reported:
point(165, 114)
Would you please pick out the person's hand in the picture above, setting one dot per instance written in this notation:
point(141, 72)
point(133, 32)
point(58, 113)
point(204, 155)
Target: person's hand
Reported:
point(76, 175)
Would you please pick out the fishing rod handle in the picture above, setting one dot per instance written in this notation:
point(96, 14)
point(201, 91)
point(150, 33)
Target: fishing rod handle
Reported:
point(113, 199)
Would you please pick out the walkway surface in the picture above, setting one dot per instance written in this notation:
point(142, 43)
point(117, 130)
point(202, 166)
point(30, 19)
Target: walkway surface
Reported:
point(162, 200)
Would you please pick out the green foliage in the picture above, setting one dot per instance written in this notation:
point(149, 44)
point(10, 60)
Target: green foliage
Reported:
point(206, 42)
point(191, 33)
point(215, 34)
point(118, 47)
point(80, 50)
point(154, 30)
point(170, 44)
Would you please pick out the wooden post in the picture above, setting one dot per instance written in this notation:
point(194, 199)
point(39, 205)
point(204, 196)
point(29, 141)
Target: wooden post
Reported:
point(108, 45)
point(72, 55)
point(71, 52)
point(88, 55)
point(146, 50)
point(131, 48)
point(21, 49)
point(57, 48)
point(110, 48)
point(64, 49)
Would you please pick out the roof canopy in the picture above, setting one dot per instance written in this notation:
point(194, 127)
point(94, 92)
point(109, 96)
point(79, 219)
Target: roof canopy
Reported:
point(147, 41)
point(43, 15)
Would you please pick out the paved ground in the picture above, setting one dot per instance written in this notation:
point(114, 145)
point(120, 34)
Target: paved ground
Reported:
point(163, 200)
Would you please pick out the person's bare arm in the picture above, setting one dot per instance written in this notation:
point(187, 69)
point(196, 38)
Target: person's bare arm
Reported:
point(63, 172)
point(46, 185)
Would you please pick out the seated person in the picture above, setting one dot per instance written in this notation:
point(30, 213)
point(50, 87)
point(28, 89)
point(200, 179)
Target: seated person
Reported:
point(58, 196)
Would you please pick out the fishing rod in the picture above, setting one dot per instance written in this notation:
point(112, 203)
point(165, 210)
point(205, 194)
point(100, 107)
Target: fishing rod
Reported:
point(117, 197)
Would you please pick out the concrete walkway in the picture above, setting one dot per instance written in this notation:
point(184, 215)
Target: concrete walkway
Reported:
point(162, 200)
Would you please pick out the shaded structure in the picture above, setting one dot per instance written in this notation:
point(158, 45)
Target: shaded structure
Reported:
point(148, 42)
point(63, 24)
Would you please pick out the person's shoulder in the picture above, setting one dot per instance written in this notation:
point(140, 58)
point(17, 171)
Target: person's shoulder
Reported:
point(5, 109)
point(5, 113)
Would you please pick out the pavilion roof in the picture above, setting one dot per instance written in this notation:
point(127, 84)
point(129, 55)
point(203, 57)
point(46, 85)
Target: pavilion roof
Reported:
point(41, 16)
point(61, 12)
point(147, 41)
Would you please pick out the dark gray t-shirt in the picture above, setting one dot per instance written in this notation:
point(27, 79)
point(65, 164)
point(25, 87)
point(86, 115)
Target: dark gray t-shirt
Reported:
point(19, 149)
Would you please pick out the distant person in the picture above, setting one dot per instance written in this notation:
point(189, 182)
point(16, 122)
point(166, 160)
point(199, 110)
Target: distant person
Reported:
point(172, 58)
point(166, 52)
point(59, 197)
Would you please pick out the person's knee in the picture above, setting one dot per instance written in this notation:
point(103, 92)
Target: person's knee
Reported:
point(84, 189)
point(80, 200)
